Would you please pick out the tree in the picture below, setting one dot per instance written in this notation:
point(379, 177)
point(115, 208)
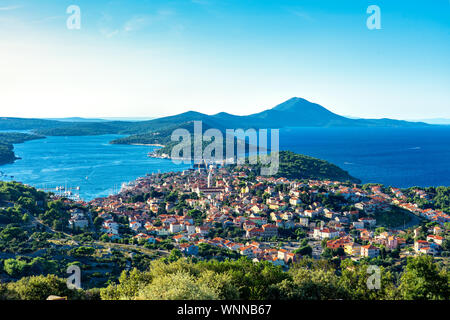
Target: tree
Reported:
point(423, 280)
point(311, 281)
point(181, 279)
point(98, 221)
point(105, 238)
point(327, 253)
point(15, 267)
point(10, 233)
point(304, 251)
point(130, 283)
point(174, 255)
point(39, 288)
point(26, 218)
point(354, 280)
point(40, 265)
point(178, 286)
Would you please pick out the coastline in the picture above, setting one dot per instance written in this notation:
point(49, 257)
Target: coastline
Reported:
point(147, 144)
point(168, 157)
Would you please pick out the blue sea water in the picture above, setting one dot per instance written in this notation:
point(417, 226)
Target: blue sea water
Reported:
point(90, 162)
point(401, 157)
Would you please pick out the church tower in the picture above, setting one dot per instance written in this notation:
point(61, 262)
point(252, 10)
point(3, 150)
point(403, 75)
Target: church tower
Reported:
point(209, 178)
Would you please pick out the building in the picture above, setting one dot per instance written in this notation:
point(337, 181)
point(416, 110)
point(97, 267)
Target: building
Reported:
point(188, 249)
point(352, 249)
point(295, 201)
point(269, 230)
point(370, 251)
point(203, 230)
point(78, 220)
point(422, 246)
point(175, 227)
point(254, 232)
point(370, 222)
point(325, 233)
point(436, 239)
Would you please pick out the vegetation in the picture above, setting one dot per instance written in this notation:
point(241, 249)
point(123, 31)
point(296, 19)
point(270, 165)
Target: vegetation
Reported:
point(84, 128)
point(438, 197)
point(298, 166)
point(424, 280)
point(162, 137)
point(180, 278)
point(7, 139)
point(395, 217)
point(25, 124)
point(38, 288)
point(309, 279)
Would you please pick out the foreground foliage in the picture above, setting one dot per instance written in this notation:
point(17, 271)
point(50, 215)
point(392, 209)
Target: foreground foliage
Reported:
point(306, 280)
point(309, 279)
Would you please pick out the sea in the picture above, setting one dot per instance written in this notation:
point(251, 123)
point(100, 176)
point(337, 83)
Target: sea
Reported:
point(400, 157)
point(91, 167)
point(87, 166)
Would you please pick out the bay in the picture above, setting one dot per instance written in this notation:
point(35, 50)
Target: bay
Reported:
point(88, 162)
point(401, 157)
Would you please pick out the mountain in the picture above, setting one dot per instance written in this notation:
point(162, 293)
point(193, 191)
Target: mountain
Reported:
point(295, 112)
point(298, 112)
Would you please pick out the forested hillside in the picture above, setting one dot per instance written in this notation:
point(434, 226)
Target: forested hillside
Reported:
point(7, 139)
point(298, 166)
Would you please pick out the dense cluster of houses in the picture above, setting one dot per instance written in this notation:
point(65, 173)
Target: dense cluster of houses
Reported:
point(259, 208)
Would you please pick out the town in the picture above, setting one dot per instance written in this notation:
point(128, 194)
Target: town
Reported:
point(231, 212)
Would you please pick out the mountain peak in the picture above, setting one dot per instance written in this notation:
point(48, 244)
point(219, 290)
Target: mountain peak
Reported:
point(296, 104)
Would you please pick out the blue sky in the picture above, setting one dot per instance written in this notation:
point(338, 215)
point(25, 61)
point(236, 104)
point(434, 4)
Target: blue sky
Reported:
point(154, 58)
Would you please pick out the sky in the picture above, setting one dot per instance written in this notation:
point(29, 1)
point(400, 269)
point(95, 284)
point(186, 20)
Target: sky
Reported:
point(155, 58)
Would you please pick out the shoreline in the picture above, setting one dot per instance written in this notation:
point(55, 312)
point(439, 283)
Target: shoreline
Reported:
point(147, 144)
point(168, 157)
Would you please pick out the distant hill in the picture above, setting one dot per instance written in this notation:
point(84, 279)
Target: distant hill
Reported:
point(295, 112)
point(105, 119)
point(77, 119)
point(26, 124)
point(84, 128)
